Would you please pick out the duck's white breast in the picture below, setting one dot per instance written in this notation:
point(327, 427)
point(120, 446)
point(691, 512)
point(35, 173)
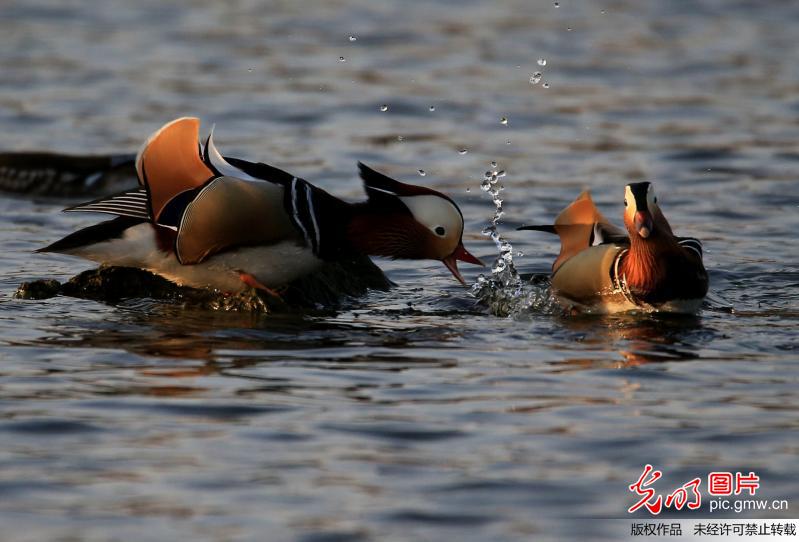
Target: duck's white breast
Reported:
point(272, 265)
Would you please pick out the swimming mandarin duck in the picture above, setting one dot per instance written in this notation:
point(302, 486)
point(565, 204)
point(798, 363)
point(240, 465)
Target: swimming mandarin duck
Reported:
point(603, 267)
point(206, 221)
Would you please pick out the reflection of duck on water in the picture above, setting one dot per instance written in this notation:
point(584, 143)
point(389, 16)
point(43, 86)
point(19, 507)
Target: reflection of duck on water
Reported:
point(647, 267)
point(626, 340)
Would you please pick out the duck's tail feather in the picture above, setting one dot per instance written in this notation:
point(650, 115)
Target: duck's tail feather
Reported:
point(104, 231)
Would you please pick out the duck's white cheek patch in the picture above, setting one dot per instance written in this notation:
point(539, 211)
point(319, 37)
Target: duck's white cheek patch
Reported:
point(434, 211)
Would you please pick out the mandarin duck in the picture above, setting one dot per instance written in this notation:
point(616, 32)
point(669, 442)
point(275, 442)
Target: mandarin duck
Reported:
point(203, 220)
point(604, 268)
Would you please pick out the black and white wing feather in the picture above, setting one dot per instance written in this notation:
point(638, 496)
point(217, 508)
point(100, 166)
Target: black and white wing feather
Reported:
point(131, 203)
point(691, 244)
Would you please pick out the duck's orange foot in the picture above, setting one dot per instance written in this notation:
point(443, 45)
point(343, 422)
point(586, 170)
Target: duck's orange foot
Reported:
point(252, 282)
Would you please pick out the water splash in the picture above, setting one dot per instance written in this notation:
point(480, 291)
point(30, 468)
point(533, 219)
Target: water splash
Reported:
point(505, 292)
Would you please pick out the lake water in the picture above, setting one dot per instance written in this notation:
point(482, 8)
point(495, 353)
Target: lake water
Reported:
point(413, 414)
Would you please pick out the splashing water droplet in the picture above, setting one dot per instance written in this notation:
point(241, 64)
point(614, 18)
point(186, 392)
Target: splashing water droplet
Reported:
point(503, 121)
point(556, 4)
point(542, 61)
point(353, 38)
point(536, 78)
point(462, 152)
point(493, 164)
point(504, 292)
point(507, 142)
point(568, 29)
point(422, 172)
point(342, 59)
point(432, 108)
point(384, 108)
point(250, 69)
point(468, 189)
point(545, 85)
point(400, 138)
point(499, 266)
point(504, 275)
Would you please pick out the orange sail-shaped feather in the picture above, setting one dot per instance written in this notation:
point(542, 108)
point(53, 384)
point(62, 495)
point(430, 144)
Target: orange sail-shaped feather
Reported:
point(169, 162)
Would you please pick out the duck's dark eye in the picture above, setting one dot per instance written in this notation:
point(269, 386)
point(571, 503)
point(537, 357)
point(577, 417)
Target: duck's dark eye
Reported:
point(625, 202)
point(440, 231)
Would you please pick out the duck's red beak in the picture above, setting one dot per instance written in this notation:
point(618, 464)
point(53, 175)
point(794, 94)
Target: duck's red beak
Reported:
point(463, 255)
point(643, 223)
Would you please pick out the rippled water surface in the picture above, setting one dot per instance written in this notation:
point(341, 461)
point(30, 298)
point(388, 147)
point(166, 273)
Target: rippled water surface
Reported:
point(414, 414)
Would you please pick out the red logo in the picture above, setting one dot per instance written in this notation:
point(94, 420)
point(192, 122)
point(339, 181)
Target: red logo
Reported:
point(721, 483)
point(640, 487)
point(688, 495)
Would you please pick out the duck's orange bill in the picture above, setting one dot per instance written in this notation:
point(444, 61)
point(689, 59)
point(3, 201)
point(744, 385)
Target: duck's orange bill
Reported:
point(463, 255)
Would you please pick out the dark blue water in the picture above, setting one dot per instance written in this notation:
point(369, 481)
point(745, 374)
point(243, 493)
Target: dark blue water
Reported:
point(413, 414)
